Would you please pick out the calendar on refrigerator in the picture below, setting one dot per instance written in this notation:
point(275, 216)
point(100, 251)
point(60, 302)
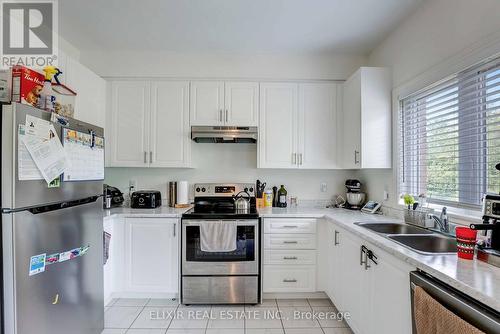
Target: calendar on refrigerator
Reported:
point(85, 152)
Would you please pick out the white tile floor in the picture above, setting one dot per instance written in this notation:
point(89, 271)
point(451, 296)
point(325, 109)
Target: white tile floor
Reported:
point(165, 316)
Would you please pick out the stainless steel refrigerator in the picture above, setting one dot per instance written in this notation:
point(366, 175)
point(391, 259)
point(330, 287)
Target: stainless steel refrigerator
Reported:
point(68, 296)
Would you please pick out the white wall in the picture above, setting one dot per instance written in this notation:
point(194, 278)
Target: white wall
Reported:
point(227, 162)
point(273, 66)
point(232, 163)
point(438, 39)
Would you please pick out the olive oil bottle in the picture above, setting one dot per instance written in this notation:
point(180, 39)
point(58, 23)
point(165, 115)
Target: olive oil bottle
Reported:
point(282, 197)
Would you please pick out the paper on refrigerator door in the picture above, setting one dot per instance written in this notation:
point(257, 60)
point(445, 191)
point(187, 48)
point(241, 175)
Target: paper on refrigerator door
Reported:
point(48, 154)
point(38, 127)
point(26, 167)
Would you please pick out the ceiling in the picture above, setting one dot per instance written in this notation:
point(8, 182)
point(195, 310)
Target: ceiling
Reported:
point(231, 26)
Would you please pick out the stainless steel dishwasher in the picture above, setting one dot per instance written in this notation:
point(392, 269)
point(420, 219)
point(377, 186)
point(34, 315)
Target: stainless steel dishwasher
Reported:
point(470, 310)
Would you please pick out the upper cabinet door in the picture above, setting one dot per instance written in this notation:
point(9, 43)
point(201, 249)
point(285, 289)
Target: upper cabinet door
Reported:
point(277, 125)
point(376, 117)
point(351, 124)
point(170, 132)
point(207, 103)
point(242, 103)
point(129, 128)
point(317, 124)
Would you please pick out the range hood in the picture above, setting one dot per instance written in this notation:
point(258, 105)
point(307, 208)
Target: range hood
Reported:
point(224, 134)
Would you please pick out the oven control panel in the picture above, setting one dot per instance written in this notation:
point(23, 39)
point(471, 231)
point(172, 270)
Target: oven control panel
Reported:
point(222, 189)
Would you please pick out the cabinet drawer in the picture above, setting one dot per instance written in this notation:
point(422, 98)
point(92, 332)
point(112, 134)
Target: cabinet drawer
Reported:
point(290, 241)
point(289, 278)
point(289, 225)
point(276, 256)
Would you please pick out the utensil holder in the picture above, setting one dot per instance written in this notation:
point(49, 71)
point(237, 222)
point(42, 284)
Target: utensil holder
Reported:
point(419, 217)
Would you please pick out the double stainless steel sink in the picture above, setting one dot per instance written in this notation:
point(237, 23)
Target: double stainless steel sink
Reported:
point(417, 239)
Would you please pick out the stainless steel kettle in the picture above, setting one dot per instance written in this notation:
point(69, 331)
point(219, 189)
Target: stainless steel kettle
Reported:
point(242, 204)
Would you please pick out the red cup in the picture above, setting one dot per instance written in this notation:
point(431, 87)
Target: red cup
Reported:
point(466, 242)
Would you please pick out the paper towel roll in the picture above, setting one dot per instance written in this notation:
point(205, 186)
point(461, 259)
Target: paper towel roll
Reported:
point(182, 192)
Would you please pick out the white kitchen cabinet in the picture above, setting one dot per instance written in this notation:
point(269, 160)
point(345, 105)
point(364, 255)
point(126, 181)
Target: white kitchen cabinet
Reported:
point(128, 137)
point(352, 277)
point(228, 103)
point(289, 255)
point(389, 294)
point(207, 103)
point(372, 294)
point(170, 143)
point(297, 125)
point(317, 121)
point(334, 280)
point(277, 125)
point(149, 124)
point(151, 255)
point(366, 119)
point(242, 103)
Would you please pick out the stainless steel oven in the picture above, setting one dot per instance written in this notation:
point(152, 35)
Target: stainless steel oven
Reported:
point(243, 261)
point(231, 277)
point(221, 277)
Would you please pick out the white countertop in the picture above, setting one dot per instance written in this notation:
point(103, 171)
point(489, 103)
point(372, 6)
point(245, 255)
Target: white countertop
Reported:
point(477, 279)
point(161, 212)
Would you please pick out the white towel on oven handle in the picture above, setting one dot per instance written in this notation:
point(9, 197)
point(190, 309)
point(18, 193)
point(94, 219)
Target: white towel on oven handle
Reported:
point(218, 236)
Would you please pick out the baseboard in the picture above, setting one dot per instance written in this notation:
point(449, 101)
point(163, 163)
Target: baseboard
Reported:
point(162, 295)
point(294, 295)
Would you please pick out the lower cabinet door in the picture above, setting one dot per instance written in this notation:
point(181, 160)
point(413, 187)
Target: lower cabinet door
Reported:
point(286, 278)
point(352, 279)
point(389, 295)
point(151, 255)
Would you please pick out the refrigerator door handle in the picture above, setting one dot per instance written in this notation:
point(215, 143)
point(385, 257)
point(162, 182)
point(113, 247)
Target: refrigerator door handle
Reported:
point(55, 206)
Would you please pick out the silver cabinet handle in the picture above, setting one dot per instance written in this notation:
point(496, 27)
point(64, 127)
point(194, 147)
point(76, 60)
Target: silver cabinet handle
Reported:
point(226, 116)
point(361, 253)
point(300, 158)
point(151, 156)
point(290, 281)
point(220, 116)
point(290, 258)
point(145, 157)
point(336, 240)
point(365, 251)
point(290, 242)
point(290, 226)
point(175, 228)
point(356, 160)
point(294, 158)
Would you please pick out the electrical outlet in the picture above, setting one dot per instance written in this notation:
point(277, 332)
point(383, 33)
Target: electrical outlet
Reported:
point(132, 184)
point(386, 195)
point(323, 187)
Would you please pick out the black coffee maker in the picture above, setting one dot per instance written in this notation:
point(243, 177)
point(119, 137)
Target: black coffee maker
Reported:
point(490, 250)
point(113, 197)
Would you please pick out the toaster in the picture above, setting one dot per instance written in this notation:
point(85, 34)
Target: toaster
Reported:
point(145, 199)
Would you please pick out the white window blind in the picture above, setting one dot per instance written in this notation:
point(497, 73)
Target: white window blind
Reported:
point(450, 138)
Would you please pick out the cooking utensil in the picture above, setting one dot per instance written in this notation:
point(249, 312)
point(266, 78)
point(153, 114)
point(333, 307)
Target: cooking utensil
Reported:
point(242, 204)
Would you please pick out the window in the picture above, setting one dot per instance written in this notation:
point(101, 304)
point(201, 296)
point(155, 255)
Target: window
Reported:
point(450, 138)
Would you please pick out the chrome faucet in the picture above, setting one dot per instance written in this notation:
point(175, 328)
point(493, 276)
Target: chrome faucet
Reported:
point(442, 221)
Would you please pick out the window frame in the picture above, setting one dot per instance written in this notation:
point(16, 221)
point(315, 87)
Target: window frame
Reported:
point(481, 174)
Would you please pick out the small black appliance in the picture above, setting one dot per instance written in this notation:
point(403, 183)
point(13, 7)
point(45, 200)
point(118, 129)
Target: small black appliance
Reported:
point(113, 197)
point(145, 199)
